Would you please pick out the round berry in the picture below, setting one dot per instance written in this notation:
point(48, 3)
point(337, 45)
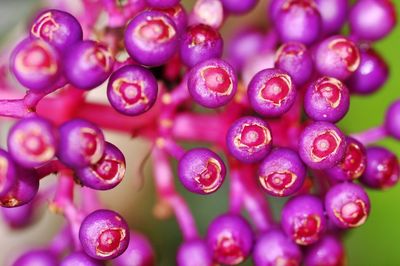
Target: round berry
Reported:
point(139, 252)
point(178, 14)
point(19, 217)
point(194, 252)
point(162, 3)
point(321, 145)
point(104, 235)
point(271, 92)
point(329, 251)
point(326, 99)
point(230, 239)
point(79, 258)
point(303, 219)
point(239, 6)
point(282, 173)
point(38, 257)
point(347, 205)
point(212, 83)
point(392, 120)
point(249, 139)
point(333, 14)
point(8, 172)
point(201, 171)
point(132, 90)
point(81, 143)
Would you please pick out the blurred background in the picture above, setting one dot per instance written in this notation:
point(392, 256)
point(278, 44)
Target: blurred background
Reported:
point(375, 243)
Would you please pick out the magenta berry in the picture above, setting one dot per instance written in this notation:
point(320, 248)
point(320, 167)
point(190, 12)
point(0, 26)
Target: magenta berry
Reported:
point(329, 251)
point(230, 239)
point(303, 219)
point(58, 28)
point(239, 6)
point(81, 143)
point(392, 120)
point(326, 99)
point(107, 173)
point(201, 171)
point(104, 235)
point(8, 172)
point(249, 139)
point(139, 252)
point(162, 3)
point(79, 258)
point(347, 205)
point(321, 145)
point(32, 141)
point(178, 15)
point(282, 172)
point(275, 248)
point(132, 90)
point(271, 92)
point(19, 217)
point(194, 252)
point(333, 14)
point(38, 257)
point(212, 83)
point(151, 38)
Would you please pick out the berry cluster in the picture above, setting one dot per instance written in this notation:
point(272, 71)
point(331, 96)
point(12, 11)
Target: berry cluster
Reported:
point(268, 111)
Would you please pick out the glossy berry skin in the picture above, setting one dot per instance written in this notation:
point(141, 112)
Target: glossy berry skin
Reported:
point(273, 8)
point(35, 64)
point(326, 99)
point(132, 90)
point(371, 75)
point(271, 92)
point(392, 120)
point(299, 20)
point(139, 252)
point(295, 59)
point(199, 43)
point(201, 171)
point(37, 257)
point(79, 258)
point(88, 64)
point(208, 12)
point(230, 239)
point(212, 83)
point(249, 139)
point(104, 235)
point(194, 252)
point(347, 205)
point(303, 219)
point(8, 172)
point(178, 15)
point(32, 141)
point(151, 38)
point(60, 29)
point(282, 173)
point(239, 6)
point(329, 251)
point(337, 57)
point(333, 14)
point(372, 20)
point(321, 145)
point(162, 3)
point(107, 173)
point(18, 217)
point(275, 248)
point(23, 191)
point(81, 143)
point(383, 170)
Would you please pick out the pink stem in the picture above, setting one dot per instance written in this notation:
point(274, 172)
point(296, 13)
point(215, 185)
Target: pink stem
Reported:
point(371, 135)
point(90, 199)
point(51, 167)
point(171, 147)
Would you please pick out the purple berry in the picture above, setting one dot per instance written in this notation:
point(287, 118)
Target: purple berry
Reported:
point(162, 3)
point(177, 14)
point(104, 235)
point(295, 59)
point(333, 14)
point(371, 75)
point(383, 170)
point(321, 145)
point(35, 64)
point(106, 173)
point(230, 239)
point(201, 171)
point(299, 21)
point(282, 173)
point(81, 143)
point(212, 83)
point(239, 6)
point(88, 64)
point(132, 90)
point(372, 19)
point(329, 251)
point(303, 219)
point(194, 253)
point(199, 43)
point(392, 120)
point(151, 38)
point(58, 28)
point(32, 141)
point(337, 57)
point(8, 173)
point(18, 217)
point(326, 99)
point(347, 205)
point(39, 257)
point(249, 139)
point(274, 248)
point(271, 92)
point(139, 252)
point(273, 8)
point(79, 258)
